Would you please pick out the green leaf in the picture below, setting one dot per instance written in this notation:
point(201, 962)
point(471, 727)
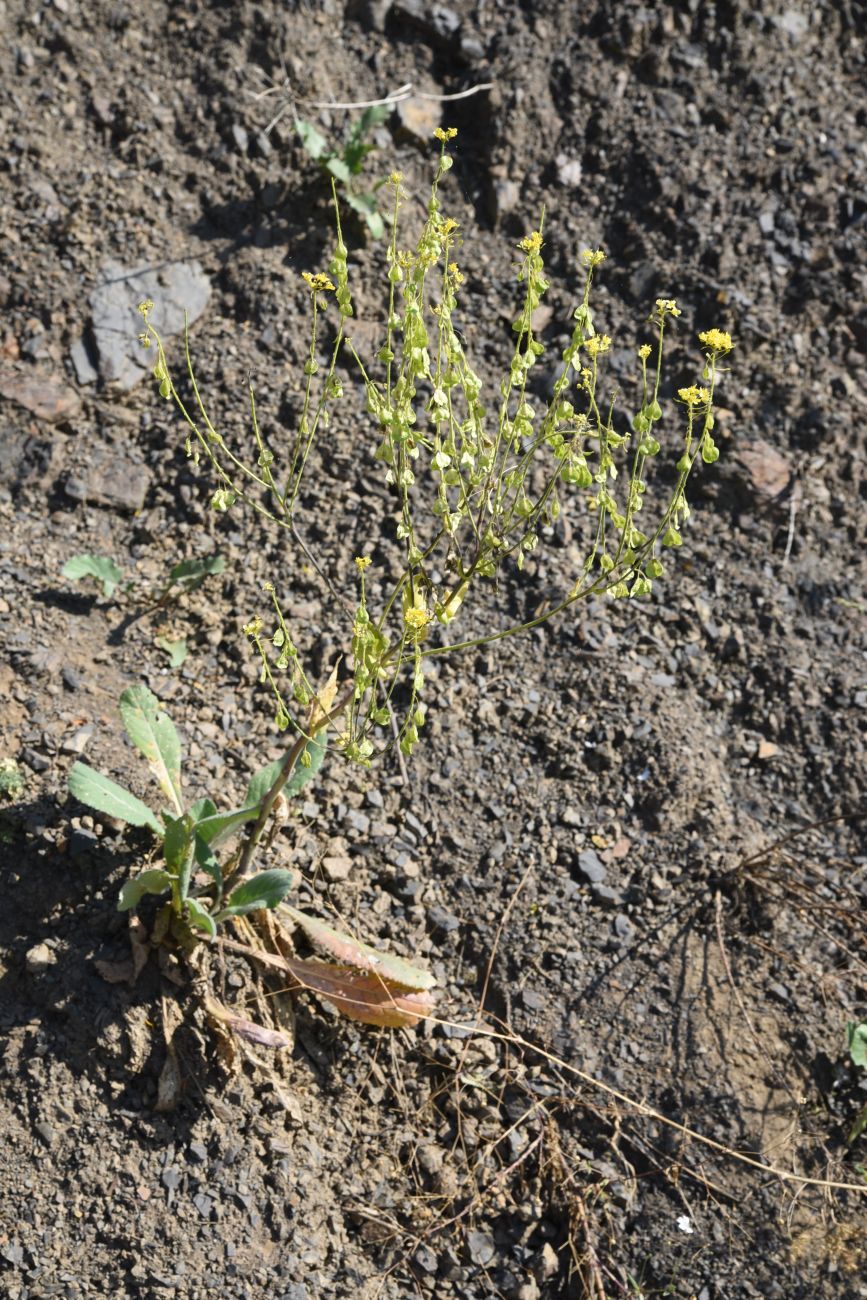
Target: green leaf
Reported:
point(265, 890)
point(190, 574)
point(200, 917)
point(94, 566)
point(218, 828)
point(202, 808)
point(347, 949)
point(858, 1127)
point(261, 781)
point(106, 796)
point(857, 1036)
point(371, 117)
point(155, 881)
point(176, 650)
point(338, 168)
point(315, 144)
point(375, 224)
point(178, 847)
point(207, 860)
point(153, 734)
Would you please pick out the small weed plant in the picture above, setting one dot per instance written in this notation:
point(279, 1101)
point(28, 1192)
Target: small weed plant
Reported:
point(476, 480)
point(345, 164)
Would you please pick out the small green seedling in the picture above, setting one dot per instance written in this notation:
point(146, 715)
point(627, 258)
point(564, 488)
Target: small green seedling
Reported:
point(346, 164)
point(175, 648)
point(100, 567)
point(190, 574)
point(856, 1035)
point(371, 986)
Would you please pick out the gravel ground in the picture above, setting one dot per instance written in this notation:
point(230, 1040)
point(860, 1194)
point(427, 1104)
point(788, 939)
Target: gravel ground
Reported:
point(581, 851)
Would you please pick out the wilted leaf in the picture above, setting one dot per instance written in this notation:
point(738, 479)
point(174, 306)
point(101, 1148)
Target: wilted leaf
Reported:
point(247, 1029)
point(324, 702)
point(361, 955)
point(363, 996)
point(170, 1085)
point(115, 972)
point(153, 733)
point(106, 796)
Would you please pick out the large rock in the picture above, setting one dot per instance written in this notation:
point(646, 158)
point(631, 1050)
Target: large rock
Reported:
point(173, 287)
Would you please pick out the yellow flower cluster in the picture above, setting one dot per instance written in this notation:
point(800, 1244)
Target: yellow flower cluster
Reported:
point(667, 306)
point(445, 133)
point(319, 283)
point(693, 396)
point(599, 343)
point(644, 351)
point(593, 257)
point(716, 340)
point(456, 273)
point(531, 243)
point(254, 627)
point(362, 561)
point(416, 619)
point(395, 178)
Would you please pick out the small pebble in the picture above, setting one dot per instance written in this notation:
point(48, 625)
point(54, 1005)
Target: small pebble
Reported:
point(39, 958)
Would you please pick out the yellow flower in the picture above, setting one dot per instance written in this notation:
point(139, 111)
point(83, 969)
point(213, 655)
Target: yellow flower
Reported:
point(362, 561)
point(667, 307)
point(593, 257)
point(396, 178)
point(716, 340)
point(693, 396)
point(455, 272)
point(599, 343)
point(319, 283)
point(532, 242)
point(449, 226)
point(445, 133)
point(146, 307)
point(416, 619)
point(254, 627)
point(644, 351)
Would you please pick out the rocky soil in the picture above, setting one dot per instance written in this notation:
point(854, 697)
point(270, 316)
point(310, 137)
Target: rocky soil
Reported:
point(581, 849)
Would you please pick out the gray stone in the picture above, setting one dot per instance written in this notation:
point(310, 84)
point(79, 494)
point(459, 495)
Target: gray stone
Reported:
point(83, 362)
point(437, 23)
point(569, 170)
point(507, 196)
point(591, 867)
point(110, 480)
point(173, 287)
point(623, 927)
point(481, 1247)
point(606, 896)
